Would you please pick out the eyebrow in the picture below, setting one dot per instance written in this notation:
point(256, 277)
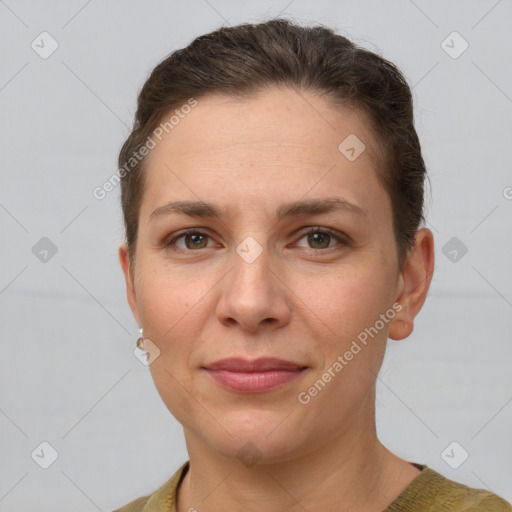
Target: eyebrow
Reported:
point(295, 209)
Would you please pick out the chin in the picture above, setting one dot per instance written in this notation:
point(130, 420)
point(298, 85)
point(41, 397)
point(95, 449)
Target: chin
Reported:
point(251, 450)
point(260, 437)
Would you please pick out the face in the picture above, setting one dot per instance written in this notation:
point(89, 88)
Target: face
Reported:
point(293, 258)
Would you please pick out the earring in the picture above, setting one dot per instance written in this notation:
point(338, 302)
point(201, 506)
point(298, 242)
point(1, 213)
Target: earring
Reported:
point(140, 340)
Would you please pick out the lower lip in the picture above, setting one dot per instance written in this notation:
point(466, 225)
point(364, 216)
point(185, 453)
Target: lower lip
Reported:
point(253, 382)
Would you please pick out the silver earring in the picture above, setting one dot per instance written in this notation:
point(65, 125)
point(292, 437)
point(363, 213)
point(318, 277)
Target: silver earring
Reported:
point(140, 340)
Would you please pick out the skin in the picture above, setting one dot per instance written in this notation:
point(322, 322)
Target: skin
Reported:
point(299, 300)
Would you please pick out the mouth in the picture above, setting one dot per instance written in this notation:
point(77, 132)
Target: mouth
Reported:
point(253, 376)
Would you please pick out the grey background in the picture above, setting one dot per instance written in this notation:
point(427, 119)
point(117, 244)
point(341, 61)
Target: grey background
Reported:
point(68, 373)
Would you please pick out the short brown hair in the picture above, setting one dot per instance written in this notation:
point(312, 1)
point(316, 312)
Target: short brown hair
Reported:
point(245, 59)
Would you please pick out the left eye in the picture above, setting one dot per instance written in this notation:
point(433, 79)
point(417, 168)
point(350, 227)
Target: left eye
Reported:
point(320, 239)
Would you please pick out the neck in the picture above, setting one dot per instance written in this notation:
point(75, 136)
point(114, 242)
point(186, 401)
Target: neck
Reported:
point(351, 471)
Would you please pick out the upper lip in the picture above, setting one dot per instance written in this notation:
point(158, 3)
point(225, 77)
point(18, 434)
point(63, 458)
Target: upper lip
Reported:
point(237, 364)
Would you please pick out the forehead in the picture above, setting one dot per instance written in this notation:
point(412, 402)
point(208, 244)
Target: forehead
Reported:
point(279, 142)
point(276, 115)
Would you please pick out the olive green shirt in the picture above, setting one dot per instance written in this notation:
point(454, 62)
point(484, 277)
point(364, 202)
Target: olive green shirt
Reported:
point(428, 492)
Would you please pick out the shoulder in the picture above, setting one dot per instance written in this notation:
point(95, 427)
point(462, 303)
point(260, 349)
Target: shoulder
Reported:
point(135, 505)
point(432, 492)
point(162, 499)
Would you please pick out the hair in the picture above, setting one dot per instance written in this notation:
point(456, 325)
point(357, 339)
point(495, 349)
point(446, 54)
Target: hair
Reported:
point(246, 59)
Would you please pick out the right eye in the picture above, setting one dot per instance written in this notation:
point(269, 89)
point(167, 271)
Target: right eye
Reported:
point(192, 240)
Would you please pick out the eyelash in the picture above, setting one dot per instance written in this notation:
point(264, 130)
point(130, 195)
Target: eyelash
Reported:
point(171, 243)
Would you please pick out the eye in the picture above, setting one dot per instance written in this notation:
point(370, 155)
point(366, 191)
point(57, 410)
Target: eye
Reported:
point(192, 240)
point(321, 238)
point(316, 238)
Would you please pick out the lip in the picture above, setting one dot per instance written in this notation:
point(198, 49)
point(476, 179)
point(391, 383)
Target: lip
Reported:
point(253, 376)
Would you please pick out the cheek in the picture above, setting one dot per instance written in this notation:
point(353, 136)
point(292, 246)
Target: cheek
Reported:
point(170, 306)
point(343, 311)
point(169, 292)
point(345, 302)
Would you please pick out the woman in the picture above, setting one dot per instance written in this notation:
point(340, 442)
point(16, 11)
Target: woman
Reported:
point(272, 191)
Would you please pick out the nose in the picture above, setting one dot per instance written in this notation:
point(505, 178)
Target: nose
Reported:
point(254, 296)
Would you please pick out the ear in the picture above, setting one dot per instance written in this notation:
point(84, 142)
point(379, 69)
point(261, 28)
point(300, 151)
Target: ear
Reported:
point(413, 285)
point(124, 259)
